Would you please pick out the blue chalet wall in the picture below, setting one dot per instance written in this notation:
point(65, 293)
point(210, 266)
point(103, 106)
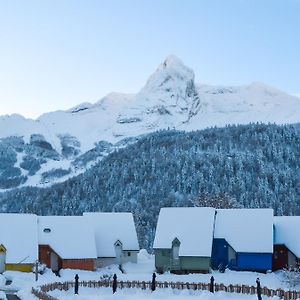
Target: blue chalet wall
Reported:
point(224, 256)
point(254, 261)
point(219, 257)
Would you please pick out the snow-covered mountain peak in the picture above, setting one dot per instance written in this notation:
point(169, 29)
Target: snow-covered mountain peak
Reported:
point(175, 63)
point(172, 59)
point(168, 99)
point(171, 74)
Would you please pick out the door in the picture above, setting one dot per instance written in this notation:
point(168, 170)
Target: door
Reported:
point(175, 252)
point(119, 250)
point(280, 257)
point(54, 262)
point(175, 265)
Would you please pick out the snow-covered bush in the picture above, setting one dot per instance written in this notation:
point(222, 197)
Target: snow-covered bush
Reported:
point(2, 281)
point(41, 268)
point(2, 296)
point(291, 275)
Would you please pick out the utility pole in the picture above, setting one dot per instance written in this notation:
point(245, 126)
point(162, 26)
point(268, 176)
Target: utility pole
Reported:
point(36, 270)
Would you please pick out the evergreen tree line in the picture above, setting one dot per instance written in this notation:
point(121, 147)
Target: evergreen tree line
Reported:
point(253, 165)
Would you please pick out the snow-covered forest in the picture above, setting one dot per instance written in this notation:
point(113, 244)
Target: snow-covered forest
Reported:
point(256, 165)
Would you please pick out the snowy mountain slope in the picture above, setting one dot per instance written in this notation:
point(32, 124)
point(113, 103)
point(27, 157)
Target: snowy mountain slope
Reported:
point(63, 143)
point(256, 102)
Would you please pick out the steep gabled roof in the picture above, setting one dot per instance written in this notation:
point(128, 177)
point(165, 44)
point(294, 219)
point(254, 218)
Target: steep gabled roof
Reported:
point(287, 233)
point(108, 228)
point(246, 230)
point(2, 248)
point(20, 237)
point(192, 226)
point(71, 237)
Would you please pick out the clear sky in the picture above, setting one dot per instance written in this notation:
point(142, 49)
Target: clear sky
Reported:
point(55, 54)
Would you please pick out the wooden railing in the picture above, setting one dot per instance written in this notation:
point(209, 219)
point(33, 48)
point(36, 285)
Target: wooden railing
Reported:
point(41, 292)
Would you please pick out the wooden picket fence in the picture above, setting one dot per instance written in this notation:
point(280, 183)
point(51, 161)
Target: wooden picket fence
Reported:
point(41, 292)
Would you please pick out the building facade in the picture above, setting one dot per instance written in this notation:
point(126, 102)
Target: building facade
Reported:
point(115, 236)
point(20, 241)
point(243, 240)
point(286, 242)
point(176, 246)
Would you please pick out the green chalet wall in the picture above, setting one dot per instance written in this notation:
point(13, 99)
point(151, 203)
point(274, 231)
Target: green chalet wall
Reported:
point(162, 260)
point(185, 264)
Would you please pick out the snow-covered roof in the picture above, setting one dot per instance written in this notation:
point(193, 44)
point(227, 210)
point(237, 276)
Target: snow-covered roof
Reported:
point(110, 228)
point(71, 237)
point(192, 226)
point(246, 230)
point(19, 236)
point(287, 233)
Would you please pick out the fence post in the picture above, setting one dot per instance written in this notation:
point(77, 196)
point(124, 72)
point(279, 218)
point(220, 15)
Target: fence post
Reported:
point(76, 284)
point(153, 283)
point(211, 287)
point(286, 296)
point(115, 283)
point(258, 288)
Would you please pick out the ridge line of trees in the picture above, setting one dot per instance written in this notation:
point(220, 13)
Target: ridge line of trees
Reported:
point(255, 165)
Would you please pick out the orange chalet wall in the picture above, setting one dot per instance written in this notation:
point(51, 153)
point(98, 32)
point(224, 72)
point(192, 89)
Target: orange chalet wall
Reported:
point(44, 256)
point(81, 264)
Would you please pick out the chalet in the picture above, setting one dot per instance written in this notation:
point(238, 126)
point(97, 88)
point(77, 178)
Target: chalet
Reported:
point(183, 239)
point(286, 242)
point(115, 236)
point(243, 239)
point(66, 242)
point(19, 241)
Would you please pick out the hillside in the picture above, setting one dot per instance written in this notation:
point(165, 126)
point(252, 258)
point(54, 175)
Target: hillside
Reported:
point(257, 165)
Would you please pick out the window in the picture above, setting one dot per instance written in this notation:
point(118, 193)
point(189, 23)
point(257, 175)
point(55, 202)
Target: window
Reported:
point(47, 230)
point(128, 254)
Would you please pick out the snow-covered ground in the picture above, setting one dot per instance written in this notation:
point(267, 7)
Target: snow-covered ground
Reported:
point(141, 271)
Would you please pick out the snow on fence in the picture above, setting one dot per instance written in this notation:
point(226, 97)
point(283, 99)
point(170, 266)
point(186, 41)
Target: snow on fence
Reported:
point(41, 292)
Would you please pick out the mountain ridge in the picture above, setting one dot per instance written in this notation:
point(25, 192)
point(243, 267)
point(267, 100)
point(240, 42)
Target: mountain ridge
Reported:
point(68, 140)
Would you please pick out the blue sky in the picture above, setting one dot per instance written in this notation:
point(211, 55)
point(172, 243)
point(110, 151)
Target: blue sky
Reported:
point(55, 54)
